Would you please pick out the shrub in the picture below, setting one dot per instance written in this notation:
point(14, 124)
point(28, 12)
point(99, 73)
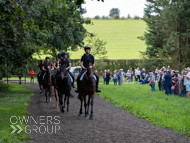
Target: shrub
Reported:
point(97, 17)
point(115, 16)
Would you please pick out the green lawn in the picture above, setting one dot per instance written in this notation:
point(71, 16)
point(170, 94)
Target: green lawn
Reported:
point(13, 102)
point(121, 37)
point(168, 111)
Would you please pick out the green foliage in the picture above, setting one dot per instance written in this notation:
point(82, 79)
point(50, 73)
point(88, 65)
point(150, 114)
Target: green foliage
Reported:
point(29, 27)
point(136, 17)
point(168, 31)
point(115, 16)
point(98, 49)
point(13, 102)
point(129, 16)
point(4, 87)
point(162, 110)
point(114, 11)
point(97, 17)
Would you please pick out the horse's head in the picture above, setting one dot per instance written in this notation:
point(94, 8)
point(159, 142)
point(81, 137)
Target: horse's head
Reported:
point(48, 69)
point(63, 72)
point(90, 70)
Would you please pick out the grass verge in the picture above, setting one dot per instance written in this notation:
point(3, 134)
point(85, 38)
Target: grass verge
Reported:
point(168, 111)
point(13, 102)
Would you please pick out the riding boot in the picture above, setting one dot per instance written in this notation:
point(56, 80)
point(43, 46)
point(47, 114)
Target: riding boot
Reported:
point(73, 85)
point(97, 90)
point(78, 87)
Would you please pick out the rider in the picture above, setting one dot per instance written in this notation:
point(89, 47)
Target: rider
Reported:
point(47, 63)
point(87, 57)
point(67, 62)
point(40, 68)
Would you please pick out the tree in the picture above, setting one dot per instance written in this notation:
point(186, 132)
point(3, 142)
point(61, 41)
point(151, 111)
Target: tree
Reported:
point(98, 49)
point(115, 16)
point(31, 26)
point(167, 37)
point(97, 17)
point(114, 11)
point(129, 16)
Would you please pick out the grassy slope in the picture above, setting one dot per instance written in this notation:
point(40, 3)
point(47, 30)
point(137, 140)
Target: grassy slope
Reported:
point(121, 37)
point(13, 103)
point(163, 110)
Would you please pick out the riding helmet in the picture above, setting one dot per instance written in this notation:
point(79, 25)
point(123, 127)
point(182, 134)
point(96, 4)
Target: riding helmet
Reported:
point(63, 53)
point(66, 53)
point(86, 47)
point(59, 54)
point(47, 58)
point(41, 61)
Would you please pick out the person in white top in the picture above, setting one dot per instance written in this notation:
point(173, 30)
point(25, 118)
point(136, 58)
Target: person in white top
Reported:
point(187, 82)
point(137, 74)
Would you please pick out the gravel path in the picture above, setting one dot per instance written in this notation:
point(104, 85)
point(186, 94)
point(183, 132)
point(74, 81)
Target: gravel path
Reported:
point(110, 124)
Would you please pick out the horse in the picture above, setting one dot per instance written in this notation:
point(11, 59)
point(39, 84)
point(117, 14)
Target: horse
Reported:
point(87, 87)
point(47, 84)
point(39, 76)
point(64, 87)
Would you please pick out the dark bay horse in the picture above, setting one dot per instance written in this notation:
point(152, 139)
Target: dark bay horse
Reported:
point(47, 84)
point(87, 87)
point(64, 87)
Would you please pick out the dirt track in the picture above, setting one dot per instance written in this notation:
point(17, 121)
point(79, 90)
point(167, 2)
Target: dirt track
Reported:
point(110, 124)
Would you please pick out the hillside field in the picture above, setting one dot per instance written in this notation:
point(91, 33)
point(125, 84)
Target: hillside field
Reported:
point(121, 37)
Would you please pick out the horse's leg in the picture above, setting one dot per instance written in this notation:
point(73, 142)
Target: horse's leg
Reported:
point(56, 96)
point(68, 95)
point(50, 89)
point(85, 105)
point(88, 104)
point(46, 94)
point(40, 88)
point(60, 100)
point(80, 111)
point(92, 103)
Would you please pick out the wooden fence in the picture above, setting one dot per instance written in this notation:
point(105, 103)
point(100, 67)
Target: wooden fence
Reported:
point(8, 80)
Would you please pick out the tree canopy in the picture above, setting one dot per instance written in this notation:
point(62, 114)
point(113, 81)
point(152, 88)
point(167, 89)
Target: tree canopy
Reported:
point(168, 32)
point(30, 26)
point(114, 11)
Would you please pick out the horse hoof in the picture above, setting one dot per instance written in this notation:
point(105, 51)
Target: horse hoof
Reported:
point(46, 101)
point(50, 99)
point(91, 118)
point(63, 110)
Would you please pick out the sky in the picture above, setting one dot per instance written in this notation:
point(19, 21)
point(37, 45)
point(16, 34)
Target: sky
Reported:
point(132, 7)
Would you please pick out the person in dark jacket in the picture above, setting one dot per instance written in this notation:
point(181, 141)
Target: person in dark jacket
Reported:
point(168, 82)
point(108, 77)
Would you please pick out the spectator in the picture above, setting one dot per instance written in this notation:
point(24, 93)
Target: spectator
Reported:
point(128, 76)
point(108, 77)
point(187, 82)
point(104, 76)
point(156, 73)
point(159, 79)
point(20, 76)
point(168, 69)
point(32, 76)
point(137, 74)
point(119, 77)
point(122, 77)
point(152, 82)
point(115, 78)
point(175, 83)
point(182, 86)
point(145, 80)
point(143, 73)
point(131, 71)
point(168, 82)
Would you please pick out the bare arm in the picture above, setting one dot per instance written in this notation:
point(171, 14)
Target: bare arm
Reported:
point(82, 65)
point(68, 66)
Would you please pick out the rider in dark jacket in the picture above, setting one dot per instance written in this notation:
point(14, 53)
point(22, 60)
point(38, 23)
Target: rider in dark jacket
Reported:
point(87, 58)
point(67, 62)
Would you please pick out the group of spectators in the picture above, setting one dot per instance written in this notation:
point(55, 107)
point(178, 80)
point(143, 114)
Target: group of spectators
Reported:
point(168, 80)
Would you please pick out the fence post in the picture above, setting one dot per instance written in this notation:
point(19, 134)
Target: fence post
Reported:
point(25, 79)
point(7, 79)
